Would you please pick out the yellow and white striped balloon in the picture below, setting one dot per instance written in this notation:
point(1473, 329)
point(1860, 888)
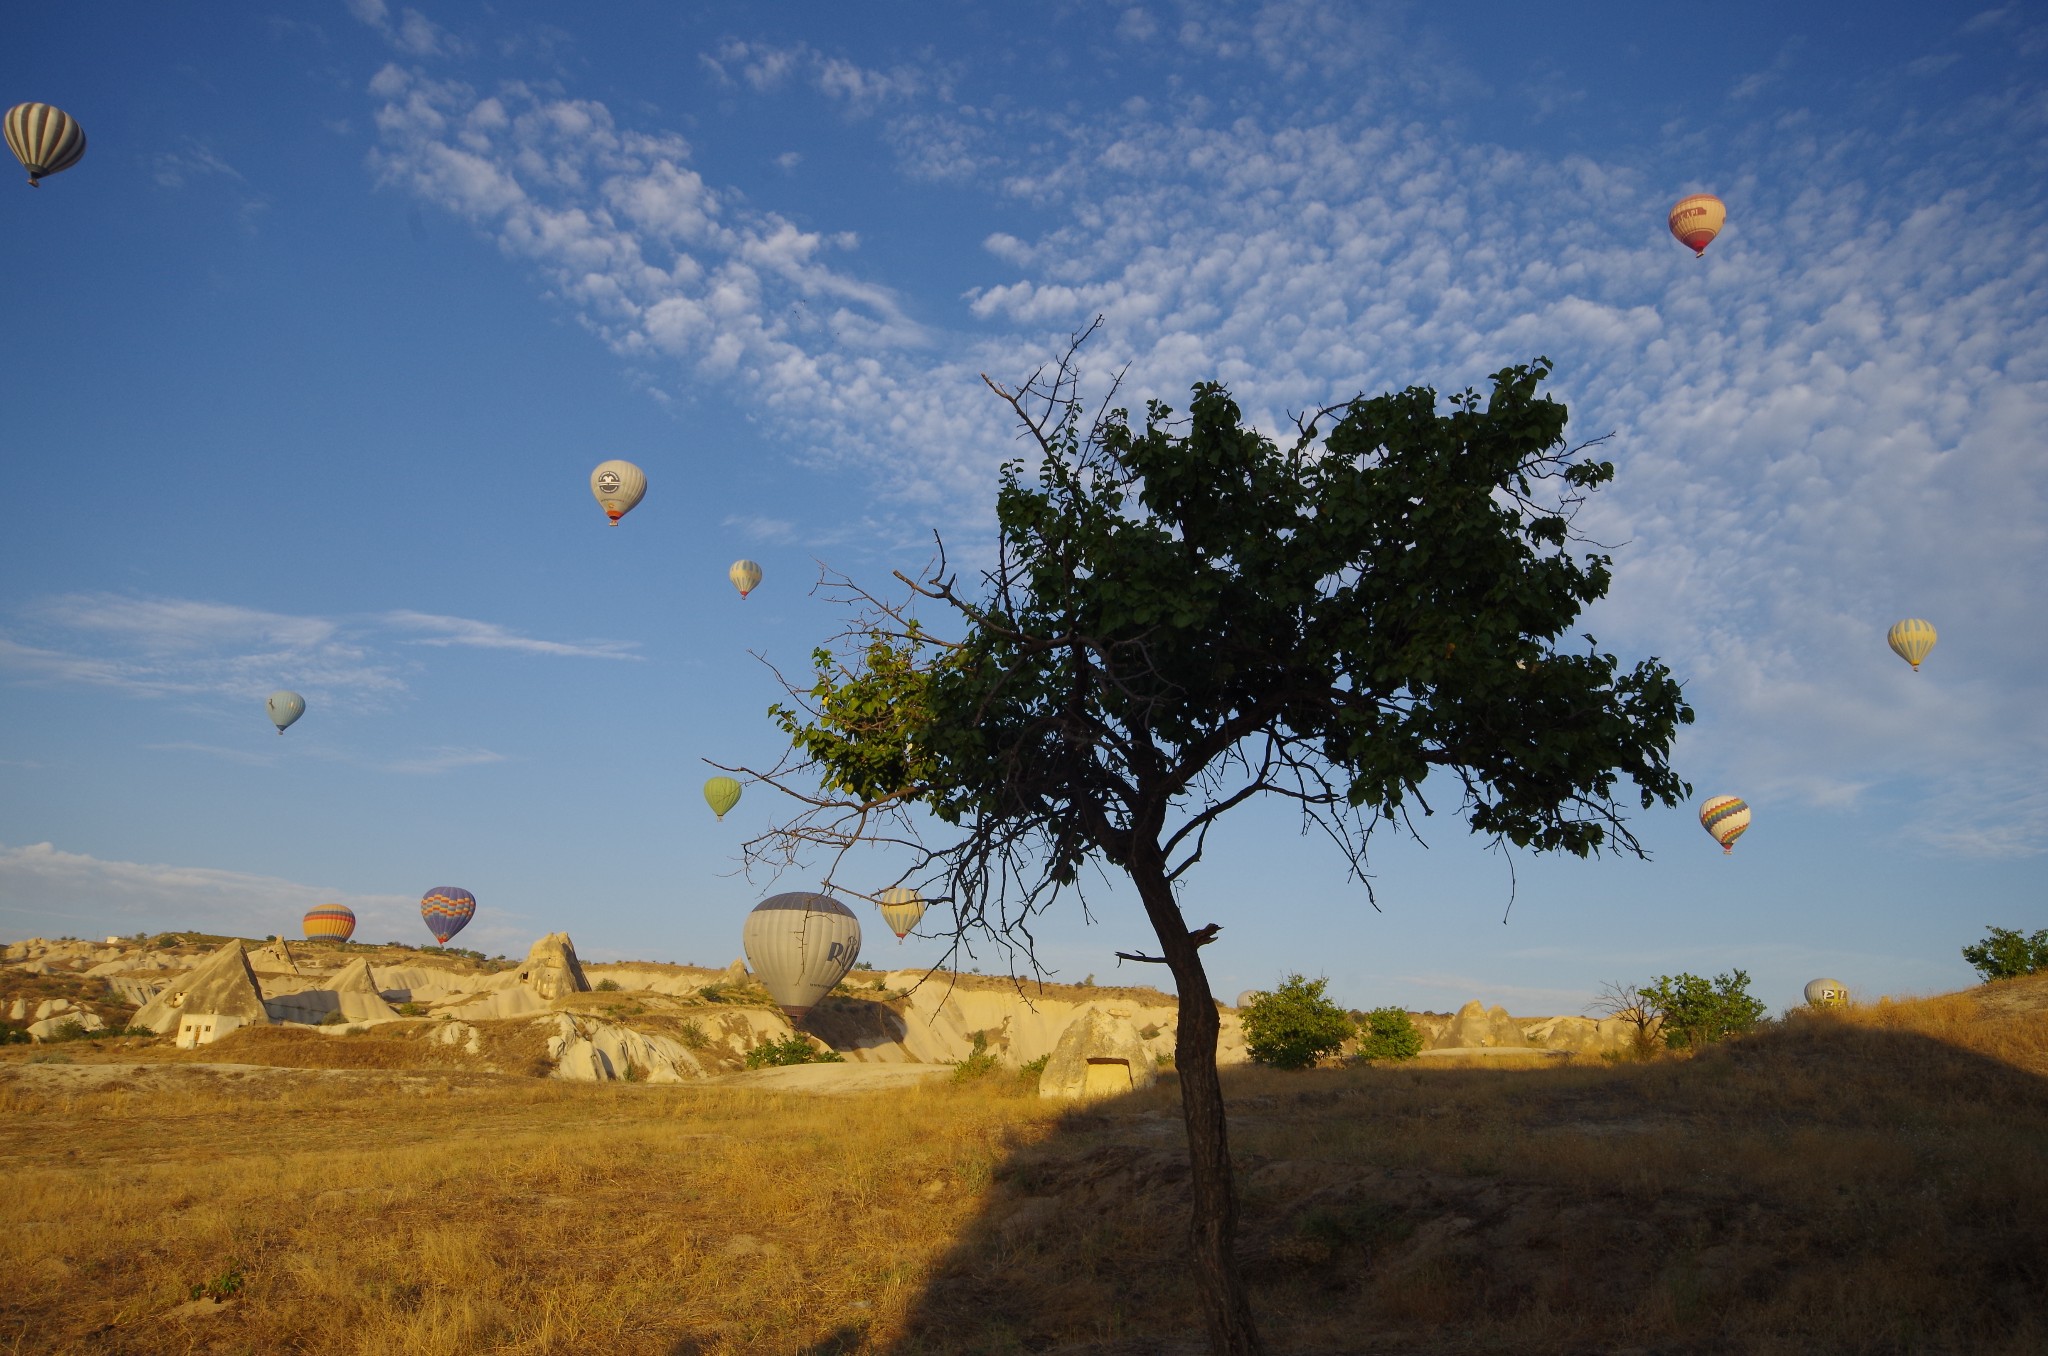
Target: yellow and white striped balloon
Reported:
point(45, 140)
point(901, 908)
point(745, 576)
point(1725, 817)
point(1910, 640)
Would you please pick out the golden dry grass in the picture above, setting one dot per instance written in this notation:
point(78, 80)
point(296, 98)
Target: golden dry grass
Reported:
point(1871, 1181)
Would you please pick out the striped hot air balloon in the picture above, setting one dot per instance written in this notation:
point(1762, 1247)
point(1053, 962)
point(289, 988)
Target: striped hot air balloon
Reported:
point(447, 910)
point(330, 923)
point(1697, 220)
point(1910, 640)
point(45, 140)
point(800, 945)
point(901, 909)
point(745, 576)
point(1725, 817)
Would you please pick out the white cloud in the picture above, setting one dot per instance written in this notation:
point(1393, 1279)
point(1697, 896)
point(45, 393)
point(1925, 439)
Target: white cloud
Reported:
point(48, 891)
point(441, 760)
point(1826, 424)
point(173, 647)
point(435, 630)
point(411, 32)
point(761, 528)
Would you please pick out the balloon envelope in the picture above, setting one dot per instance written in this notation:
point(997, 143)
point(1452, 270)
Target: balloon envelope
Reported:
point(1911, 639)
point(1827, 993)
point(799, 946)
point(723, 793)
point(1697, 220)
point(447, 910)
point(330, 922)
point(618, 486)
point(745, 576)
point(284, 708)
point(901, 909)
point(45, 140)
point(1725, 817)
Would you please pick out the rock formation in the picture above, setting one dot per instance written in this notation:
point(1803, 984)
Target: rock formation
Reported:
point(1100, 1054)
point(552, 970)
point(223, 983)
point(1478, 1028)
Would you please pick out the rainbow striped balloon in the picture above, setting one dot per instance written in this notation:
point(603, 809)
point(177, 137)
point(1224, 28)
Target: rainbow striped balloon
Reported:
point(330, 923)
point(1725, 817)
point(447, 909)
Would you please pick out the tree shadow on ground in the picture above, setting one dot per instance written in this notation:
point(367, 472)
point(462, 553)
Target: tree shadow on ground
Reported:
point(1823, 1186)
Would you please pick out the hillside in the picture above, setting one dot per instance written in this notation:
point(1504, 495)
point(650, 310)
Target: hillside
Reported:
point(1865, 1181)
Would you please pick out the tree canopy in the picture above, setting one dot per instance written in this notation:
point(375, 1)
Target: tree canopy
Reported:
point(1184, 614)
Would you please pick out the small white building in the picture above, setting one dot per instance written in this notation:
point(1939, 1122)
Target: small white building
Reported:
point(204, 1028)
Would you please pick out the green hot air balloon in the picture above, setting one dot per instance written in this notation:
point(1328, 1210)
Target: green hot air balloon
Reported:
point(284, 707)
point(722, 793)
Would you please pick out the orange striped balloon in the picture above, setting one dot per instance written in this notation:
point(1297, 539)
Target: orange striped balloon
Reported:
point(330, 923)
point(1726, 817)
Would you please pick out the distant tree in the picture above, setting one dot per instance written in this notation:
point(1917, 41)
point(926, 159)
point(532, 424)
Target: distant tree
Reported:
point(1632, 1005)
point(1293, 1026)
point(2005, 954)
point(1388, 1033)
point(795, 1048)
point(1700, 1011)
point(1183, 615)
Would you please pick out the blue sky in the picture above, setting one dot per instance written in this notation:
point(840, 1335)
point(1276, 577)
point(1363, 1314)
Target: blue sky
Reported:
point(308, 361)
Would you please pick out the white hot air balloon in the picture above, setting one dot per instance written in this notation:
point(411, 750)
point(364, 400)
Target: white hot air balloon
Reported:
point(800, 945)
point(618, 485)
point(284, 708)
point(1827, 993)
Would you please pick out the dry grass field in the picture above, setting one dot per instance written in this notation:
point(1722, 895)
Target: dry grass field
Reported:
point(1875, 1181)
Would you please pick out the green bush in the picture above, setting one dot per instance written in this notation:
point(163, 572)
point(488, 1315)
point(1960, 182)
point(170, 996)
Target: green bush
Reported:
point(795, 1048)
point(691, 1034)
point(979, 1062)
point(13, 1035)
point(2005, 954)
point(412, 1009)
point(1028, 1073)
point(1294, 1025)
point(1699, 1012)
point(1388, 1033)
point(607, 986)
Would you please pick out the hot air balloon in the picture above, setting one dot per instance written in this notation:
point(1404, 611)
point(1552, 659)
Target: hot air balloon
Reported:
point(723, 793)
point(284, 707)
point(447, 910)
point(745, 576)
point(618, 486)
point(1910, 640)
point(1697, 220)
point(1827, 993)
point(901, 909)
point(330, 923)
point(799, 946)
point(45, 140)
point(1725, 817)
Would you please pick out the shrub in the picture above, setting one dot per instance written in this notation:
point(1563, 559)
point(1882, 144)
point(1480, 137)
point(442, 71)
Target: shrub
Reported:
point(412, 1009)
point(979, 1062)
point(13, 1035)
point(333, 1019)
point(1388, 1033)
point(1699, 1012)
point(2005, 954)
point(607, 986)
point(1294, 1025)
point(691, 1034)
point(1028, 1073)
point(795, 1048)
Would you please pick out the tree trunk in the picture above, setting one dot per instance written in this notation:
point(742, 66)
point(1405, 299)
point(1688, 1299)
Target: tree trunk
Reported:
point(1213, 1228)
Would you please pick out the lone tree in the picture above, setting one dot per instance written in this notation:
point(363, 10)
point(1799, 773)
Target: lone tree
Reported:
point(1184, 615)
